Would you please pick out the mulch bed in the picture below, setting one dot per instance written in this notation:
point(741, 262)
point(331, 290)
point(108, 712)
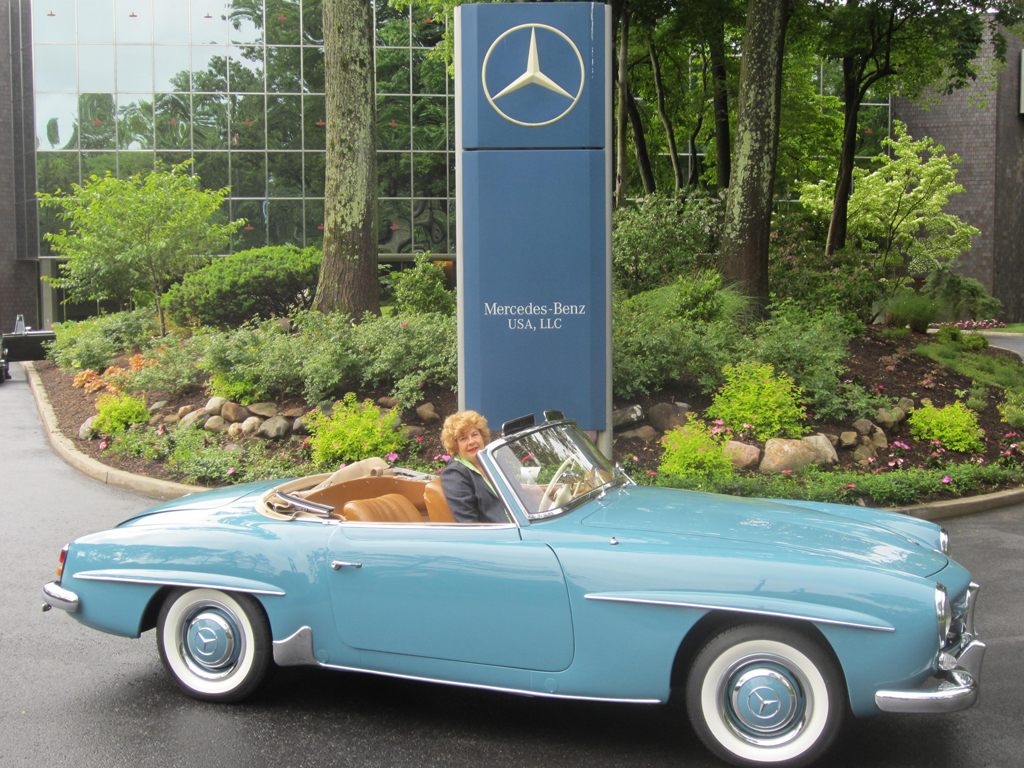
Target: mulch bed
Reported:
point(900, 374)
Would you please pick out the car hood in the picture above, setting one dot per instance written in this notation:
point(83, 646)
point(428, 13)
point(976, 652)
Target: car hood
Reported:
point(672, 514)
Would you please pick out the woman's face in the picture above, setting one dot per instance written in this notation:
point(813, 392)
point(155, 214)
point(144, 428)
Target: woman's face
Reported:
point(469, 443)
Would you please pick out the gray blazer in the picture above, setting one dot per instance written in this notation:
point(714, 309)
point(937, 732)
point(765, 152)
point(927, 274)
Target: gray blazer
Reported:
point(469, 497)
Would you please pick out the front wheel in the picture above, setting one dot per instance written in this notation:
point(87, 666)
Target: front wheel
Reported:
point(217, 645)
point(761, 694)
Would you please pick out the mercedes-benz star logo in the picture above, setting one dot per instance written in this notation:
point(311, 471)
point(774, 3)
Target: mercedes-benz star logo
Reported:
point(533, 74)
point(764, 702)
point(204, 639)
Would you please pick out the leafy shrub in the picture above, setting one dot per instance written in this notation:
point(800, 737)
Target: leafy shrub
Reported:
point(913, 309)
point(255, 362)
point(754, 395)
point(200, 457)
point(118, 412)
point(974, 342)
point(84, 345)
point(663, 236)
point(353, 432)
point(645, 347)
point(258, 283)
point(175, 371)
point(955, 426)
point(421, 290)
point(1012, 409)
point(961, 296)
point(328, 355)
point(692, 450)
point(949, 334)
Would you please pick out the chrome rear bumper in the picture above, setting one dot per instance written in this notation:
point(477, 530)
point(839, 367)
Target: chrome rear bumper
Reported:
point(57, 597)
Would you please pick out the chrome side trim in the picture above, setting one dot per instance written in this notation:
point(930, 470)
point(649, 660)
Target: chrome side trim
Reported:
point(733, 609)
point(57, 597)
point(295, 651)
point(426, 526)
point(165, 582)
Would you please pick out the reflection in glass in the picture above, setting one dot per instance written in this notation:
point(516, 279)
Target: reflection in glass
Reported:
point(284, 174)
point(426, 30)
point(430, 231)
point(134, 68)
point(284, 69)
point(247, 114)
point(394, 171)
point(245, 68)
point(210, 121)
point(53, 22)
point(312, 22)
point(171, 67)
point(164, 160)
point(97, 24)
point(248, 174)
point(55, 68)
point(393, 122)
point(313, 121)
point(56, 170)
point(170, 23)
point(394, 232)
point(133, 21)
point(173, 121)
point(430, 174)
point(209, 68)
point(96, 124)
point(135, 122)
point(282, 22)
point(57, 121)
point(245, 21)
point(284, 122)
point(429, 74)
point(209, 23)
point(314, 215)
point(284, 222)
point(254, 233)
point(392, 70)
point(315, 164)
point(392, 25)
point(212, 169)
point(430, 122)
point(131, 163)
point(312, 70)
point(98, 164)
point(96, 68)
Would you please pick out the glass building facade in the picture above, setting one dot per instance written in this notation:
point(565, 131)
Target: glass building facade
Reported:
point(237, 86)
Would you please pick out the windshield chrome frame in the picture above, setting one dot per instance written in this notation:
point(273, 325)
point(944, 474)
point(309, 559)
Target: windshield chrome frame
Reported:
point(511, 498)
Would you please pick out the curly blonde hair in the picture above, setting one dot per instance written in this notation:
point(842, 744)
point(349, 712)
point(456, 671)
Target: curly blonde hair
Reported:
point(458, 424)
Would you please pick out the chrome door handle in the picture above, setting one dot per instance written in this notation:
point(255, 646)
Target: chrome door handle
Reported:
point(339, 564)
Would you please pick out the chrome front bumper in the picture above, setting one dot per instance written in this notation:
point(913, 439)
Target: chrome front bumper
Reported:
point(949, 691)
point(57, 597)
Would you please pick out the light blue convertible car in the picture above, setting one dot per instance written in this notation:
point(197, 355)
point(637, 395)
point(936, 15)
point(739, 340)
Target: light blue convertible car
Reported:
point(773, 619)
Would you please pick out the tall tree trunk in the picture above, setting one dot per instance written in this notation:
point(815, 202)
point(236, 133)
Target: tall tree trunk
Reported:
point(720, 96)
point(748, 211)
point(659, 88)
point(844, 181)
point(348, 273)
point(620, 115)
point(643, 160)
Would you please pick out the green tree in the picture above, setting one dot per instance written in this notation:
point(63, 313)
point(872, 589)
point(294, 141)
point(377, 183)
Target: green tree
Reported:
point(129, 239)
point(348, 275)
point(896, 210)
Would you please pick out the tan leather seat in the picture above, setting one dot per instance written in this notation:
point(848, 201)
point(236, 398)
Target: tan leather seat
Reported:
point(390, 508)
point(437, 504)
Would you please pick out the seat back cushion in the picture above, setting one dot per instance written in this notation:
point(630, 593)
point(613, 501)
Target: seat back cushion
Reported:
point(437, 504)
point(390, 508)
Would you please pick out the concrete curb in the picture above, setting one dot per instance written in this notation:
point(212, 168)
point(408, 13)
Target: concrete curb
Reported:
point(147, 486)
point(165, 489)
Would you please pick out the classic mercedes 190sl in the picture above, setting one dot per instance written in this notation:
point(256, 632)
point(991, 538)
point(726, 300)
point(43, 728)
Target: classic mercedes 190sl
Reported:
point(773, 619)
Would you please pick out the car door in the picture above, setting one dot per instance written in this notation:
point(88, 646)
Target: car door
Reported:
point(468, 593)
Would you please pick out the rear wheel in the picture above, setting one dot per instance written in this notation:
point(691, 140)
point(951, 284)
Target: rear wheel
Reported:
point(764, 694)
point(217, 645)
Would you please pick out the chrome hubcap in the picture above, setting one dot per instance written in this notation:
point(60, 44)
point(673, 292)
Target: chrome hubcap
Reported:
point(211, 643)
point(763, 700)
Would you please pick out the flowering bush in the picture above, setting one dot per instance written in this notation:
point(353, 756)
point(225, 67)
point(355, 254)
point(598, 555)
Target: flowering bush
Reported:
point(1012, 409)
point(754, 399)
point(692, 449)
point(955, 426)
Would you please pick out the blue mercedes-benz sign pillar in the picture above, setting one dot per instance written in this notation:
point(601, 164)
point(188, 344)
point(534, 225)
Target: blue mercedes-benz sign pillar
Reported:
point(533, 178)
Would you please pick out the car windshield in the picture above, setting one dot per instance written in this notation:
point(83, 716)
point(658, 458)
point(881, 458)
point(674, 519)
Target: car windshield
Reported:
point(550, 467)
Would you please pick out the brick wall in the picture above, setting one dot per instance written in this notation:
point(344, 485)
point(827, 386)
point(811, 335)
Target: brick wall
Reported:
point(1008, 260)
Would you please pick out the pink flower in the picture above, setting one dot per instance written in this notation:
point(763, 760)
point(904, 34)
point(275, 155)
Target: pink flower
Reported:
point(342, 465)
point(391, 456)
point(787, 471)
point(231, 471)
point(947, 479)
point(446, 457)
point(404, 324)
point(419, 439)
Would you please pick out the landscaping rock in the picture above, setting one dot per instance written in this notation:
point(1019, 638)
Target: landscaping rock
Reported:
point(300, 426)
point(184, 411)
point(863, 426)
point(848, 439)
point(626, 417)
point(885, 419)
point(326, 408)
point(387, 402)
point(899, 414)
point(294, 413)
point(172, 419)
point(906, 404)
point(86, 431)
point(274, 428)
point(780, 454)
point(826, 451)
point(192, 418)
point(864, 453)
point(646, 433)
point(157, 406)
point(213, 405)
point(235, 429)
point(741, 455)
point(427, 413)
point(665, 417)
point(266, 410)
point(250, 425)
point(234, 413)
point(879, 440)
point(216, 424)
point(413, 432)
point(834, 439)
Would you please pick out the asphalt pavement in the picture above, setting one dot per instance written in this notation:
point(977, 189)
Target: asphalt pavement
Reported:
point(71, 696)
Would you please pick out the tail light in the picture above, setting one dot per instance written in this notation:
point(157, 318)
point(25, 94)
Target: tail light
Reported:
point(61, 559)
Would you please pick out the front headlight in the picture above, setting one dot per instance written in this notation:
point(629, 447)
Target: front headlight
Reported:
point(944, 541)
point(943, 613)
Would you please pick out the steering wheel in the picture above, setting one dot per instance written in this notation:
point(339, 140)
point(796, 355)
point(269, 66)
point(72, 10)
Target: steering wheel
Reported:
point(550, 498)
